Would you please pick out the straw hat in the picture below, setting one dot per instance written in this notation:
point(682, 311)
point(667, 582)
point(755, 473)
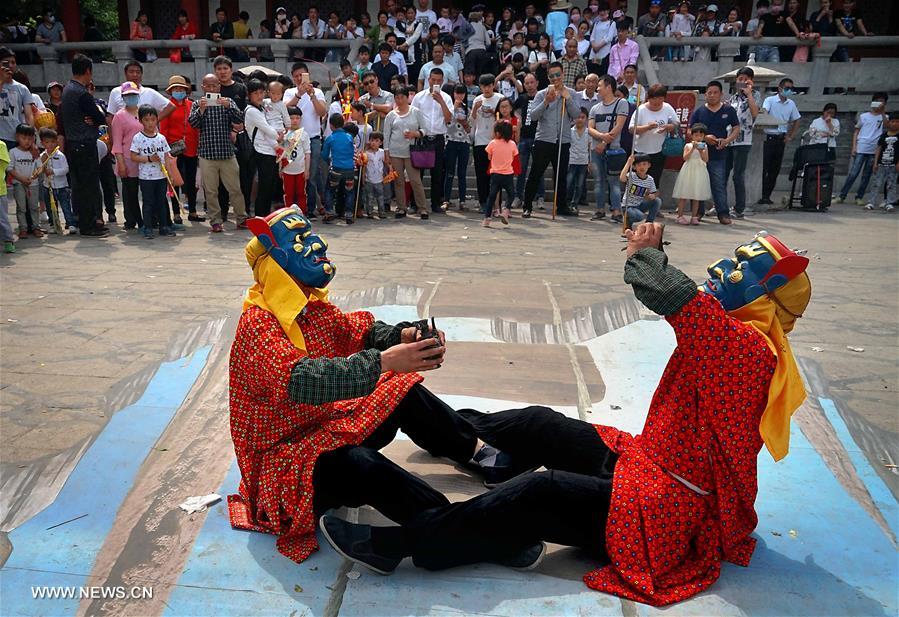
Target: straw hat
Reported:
point(176, 81)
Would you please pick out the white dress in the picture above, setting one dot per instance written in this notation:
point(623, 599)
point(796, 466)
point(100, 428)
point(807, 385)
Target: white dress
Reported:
point(693, 179)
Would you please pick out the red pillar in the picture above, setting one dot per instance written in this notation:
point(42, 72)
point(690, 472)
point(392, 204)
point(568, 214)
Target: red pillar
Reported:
point(196, 15)
point(70, 16)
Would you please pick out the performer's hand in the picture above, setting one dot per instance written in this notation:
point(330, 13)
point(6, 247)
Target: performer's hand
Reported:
point(411, 357)
point(412, 334)
point(648, 235)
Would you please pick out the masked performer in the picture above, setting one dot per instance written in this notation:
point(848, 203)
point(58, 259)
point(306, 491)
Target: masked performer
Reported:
point(663, 509)
point(315, 393)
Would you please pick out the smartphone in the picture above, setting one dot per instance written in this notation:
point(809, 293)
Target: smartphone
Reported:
point(304, 78)
point(435, 89)
point(212, 98)
point(701, 145)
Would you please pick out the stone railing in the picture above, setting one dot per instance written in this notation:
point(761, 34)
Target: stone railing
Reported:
point(107, 74)
point(814, 78)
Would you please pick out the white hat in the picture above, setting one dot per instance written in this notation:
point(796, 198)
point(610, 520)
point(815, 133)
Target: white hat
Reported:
point(712, 7)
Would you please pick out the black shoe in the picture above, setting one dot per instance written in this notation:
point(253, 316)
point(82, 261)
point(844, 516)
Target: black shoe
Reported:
point(528, 559)
point(566, 212)
point(350, 221)
point(497, 467)
point(95, 233)
point(525, 214)
point(129, 226)
point(177, 220)
point(112, 219)
point(598, 216)
point(196, 218)
point(353, 541)
point(399, 214)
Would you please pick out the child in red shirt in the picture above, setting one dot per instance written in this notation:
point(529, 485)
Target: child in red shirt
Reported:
point(501, 151)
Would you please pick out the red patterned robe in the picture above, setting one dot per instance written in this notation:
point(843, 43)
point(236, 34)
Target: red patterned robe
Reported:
point(666, 541)
point(278, 441)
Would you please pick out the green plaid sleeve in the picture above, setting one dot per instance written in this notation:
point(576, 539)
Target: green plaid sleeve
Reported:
point(315, 381)
point(662, 288)
point(383, 336)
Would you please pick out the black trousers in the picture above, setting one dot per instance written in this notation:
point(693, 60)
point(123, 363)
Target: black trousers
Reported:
point(187, 167)
point(109, 184)
point(267, 167)
point(84, 169)
point(131, 205)
point(544, 154)
point(437, 173)
point(360, 475)
point(481, 165)
point(568, 504)
point(657, 168)
point(773, 152)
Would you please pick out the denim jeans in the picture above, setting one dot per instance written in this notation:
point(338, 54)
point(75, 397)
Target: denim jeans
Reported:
point(605, 183)
point(63, 198)
point(525, 147)
point(314, 186)
point(155, 203)
point(766, 53)
point(457, 155)
point(373, 195)
point(718, 179)
point(341, 182)
point(884, 177)
point(860, 164)
point(647, 210)
point(737, 156)
point(575, 181)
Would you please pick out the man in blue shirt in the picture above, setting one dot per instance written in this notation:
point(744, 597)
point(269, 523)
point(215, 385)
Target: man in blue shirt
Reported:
point(784, 109)
point(723, 128)
point(340, 150)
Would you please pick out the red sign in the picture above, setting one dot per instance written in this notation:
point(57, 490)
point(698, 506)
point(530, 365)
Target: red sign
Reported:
point(684, 102)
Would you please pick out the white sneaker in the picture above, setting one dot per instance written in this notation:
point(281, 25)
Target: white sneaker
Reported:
point(73, 230)
point(516, 203)
point(541, 204)
point(52, 230)
point(869, 206)
point(888, 207)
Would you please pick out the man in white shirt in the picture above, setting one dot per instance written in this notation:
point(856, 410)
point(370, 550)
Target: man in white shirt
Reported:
point(425, 15)
point(450, 72)
point(148, 96)
point(745, 101)
point(604, 34)
point(868, 129)
point(436, 107)
point(657, 120)
point(311, 101)
point(782, 107)
point(588, 97)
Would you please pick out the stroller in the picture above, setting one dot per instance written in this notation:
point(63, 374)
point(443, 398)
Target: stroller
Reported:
point(813, 167)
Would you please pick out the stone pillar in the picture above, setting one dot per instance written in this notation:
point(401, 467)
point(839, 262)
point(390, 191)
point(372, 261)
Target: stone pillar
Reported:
point(53, 70)
point(199, 49)
point(727, 51)
point(281, 52)
point(821, 65)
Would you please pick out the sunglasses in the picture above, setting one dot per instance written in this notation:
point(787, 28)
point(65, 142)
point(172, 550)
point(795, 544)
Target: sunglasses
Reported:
point(555, 75)
point(368, 83)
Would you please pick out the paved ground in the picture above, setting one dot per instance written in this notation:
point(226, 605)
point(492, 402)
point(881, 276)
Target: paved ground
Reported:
point(113, 377)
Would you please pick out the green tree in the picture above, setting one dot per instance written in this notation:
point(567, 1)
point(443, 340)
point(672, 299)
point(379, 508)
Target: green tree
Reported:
point(106, 12)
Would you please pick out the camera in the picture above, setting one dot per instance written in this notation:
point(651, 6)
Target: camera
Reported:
point(429, 330)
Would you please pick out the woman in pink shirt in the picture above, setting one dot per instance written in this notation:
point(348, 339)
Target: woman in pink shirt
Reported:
point(501, 151)
point(141, 31)
point(124, 127)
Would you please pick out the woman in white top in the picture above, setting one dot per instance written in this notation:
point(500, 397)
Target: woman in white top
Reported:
point(264, 139)
point(582, 38)
point(824, 130)
point(402, 127)
point(540, 58)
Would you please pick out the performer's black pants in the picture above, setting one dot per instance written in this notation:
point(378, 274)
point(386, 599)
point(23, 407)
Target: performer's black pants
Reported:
point(773, 153)
point(544, 154)
point(568, 504)
point(353, 476)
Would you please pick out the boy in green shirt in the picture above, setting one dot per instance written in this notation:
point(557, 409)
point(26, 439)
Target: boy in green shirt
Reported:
point(6, 234)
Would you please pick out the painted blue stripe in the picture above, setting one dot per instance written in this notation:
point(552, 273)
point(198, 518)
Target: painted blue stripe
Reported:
point(232, 572)
point(97, 487)
point(875, 485)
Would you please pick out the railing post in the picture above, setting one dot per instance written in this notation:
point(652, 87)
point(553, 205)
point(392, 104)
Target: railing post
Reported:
point(199, 49)
point(353, 53)
point(821, 65)
point(53, 70)
point(728, 49)
point(649, 66)
point(281, 53)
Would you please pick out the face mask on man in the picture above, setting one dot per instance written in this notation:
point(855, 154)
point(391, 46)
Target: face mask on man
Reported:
point(787, 92)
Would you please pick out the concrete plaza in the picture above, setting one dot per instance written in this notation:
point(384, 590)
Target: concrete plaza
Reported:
point(113, 410)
